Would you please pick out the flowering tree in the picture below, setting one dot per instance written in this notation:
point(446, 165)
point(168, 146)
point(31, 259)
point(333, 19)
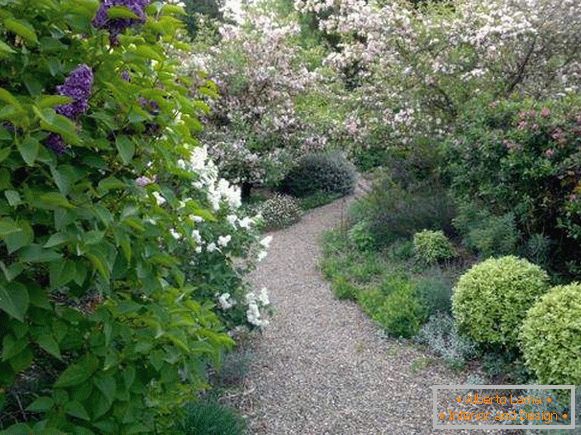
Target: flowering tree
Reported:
point(257, 126)
point(414, 68)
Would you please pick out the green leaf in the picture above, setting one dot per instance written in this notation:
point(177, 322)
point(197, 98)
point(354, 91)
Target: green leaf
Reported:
point(28, 149)
point(77, 373)
point(20, 239)
point(111, 183)
point(14, 300)
point(52, 101)
point(41, 404)
point(8, 227)
point(7, 97)
point(55, 199)
point(76, 409)
point(116, 12)
point(4, 153)
point(48, 343)
point(126, 148)
point(12, 271)
point(5, 48)
point(53, 122)
point(22, 28)
point(13, 197)
point(148, 52)
point(56, 239)
point(37, 254)
point(107, 386)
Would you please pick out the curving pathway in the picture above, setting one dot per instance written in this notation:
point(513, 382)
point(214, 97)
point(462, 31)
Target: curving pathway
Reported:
point(321, 366)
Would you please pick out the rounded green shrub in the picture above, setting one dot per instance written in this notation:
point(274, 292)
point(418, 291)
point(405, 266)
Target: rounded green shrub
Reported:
point(211, 419)
point(551, 336)
point(360, 236)
point(330, 173)
point(280, 211)
point(490, 301)
point(432, 246)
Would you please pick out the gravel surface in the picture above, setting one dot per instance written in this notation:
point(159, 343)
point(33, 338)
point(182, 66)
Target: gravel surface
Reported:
point(321, 366)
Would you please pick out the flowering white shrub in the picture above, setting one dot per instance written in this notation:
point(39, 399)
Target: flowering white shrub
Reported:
point(256, 127)
point(280, 211)
point(415, 67)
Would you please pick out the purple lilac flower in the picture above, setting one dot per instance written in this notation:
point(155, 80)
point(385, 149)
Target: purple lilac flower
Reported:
point(118, 25)
point(56, 143)
point(151, 106)
point(144, 181)
point(78, 87)
point(126, 76)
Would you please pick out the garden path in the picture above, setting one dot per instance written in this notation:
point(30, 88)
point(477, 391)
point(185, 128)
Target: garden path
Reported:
point(321, 366)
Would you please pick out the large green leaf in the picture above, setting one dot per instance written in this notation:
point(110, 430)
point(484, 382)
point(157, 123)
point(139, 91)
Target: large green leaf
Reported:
point(77, 373)
point(8, 227)
point(15, 241)
point(116, 12)
point(22, 28)
point(126, 148)
point(55, 199)
point(76, 409)
point(14, 300)
point(28, 149)
point(38, 254)
point(41, 404)
point(48, 343)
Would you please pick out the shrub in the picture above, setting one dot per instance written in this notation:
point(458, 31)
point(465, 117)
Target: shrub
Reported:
point(395, 306)
point(520, 157)
point(432, 246)
point(441, 335)
point(330, 173)
point(487, 234)
point(343, 289)
point(211, 419)
point(551, 336)
point(280, 211)
point(492, 298)
point(360, 237)
point(395, 212)
point(435, 292)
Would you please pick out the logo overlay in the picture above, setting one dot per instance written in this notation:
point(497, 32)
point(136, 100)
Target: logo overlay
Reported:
point(498, 406)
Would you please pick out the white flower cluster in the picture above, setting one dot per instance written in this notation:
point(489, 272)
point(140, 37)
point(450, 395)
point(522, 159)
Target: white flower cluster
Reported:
point(254, 302)
point(218, 189)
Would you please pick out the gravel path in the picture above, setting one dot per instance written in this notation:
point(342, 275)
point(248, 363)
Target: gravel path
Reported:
point(321, 366)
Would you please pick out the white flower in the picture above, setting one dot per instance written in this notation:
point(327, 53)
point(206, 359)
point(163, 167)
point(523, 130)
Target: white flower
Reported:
point(196, 219)
point(159, 198)
point(197, 236)
point(261, 255)
point(245, 222)
point(224, 240)
point(231, 219)
point(212, 247)
point(226, 302)
point(250, 297)
point(175, 234)
point(198, 249)
point(263, 296)
point(266, 242)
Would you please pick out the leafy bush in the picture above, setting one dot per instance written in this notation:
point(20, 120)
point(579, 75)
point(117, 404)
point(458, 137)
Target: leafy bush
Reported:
point(280, 211)
point(343, 289)
point(551, 336)
point(441, 335)
point(521, 157)
point(395, 212)
point(435, 291)
point(318, 199)
point(330, 173)
point(487, 234)
point(432, 246)
point(360, 237)
point(395, 306)
point(103, 188)
point(491, 299)
point(211, 419)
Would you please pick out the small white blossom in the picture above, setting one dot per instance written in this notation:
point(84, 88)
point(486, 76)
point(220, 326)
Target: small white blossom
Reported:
point(226, 302)
point(263, 296)
point(175, 234)
point(224, 240)
point(159, 198)
point(212, 247)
